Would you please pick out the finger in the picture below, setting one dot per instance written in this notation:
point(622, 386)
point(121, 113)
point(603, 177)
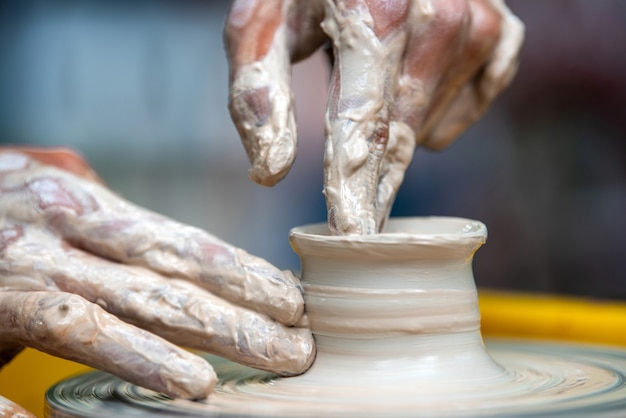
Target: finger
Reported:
point(186, 315)
point(466, 109)
point(179, 251)
point(10, 409)
point(495, 39)
point(504, 60)
point(368, 41)
point(68, 326)
point(442, 54)
point(432, 61)
point(475, 44)
point(91, 217)
point(261, 99)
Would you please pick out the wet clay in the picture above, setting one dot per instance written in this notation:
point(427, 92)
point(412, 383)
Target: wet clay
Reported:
point(397, 327)
point(362, 152)
point(268, 131)
point(11, 410)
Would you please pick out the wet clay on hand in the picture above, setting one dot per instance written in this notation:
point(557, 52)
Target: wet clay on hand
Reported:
point(11, 410)
point(90, 277)
point(405, 73)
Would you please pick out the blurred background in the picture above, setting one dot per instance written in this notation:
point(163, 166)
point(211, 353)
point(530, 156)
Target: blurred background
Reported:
point(140, 88)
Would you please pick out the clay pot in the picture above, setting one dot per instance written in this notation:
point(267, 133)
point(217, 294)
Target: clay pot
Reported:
point(395, 315)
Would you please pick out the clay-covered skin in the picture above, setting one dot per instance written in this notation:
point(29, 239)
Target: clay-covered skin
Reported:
point(405, 73)
point(90, 277)
point(10, 409)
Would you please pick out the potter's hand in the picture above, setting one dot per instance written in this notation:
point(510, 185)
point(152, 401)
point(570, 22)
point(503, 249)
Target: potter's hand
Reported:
point(79, 265)
point(12, 410)
point(406, 72)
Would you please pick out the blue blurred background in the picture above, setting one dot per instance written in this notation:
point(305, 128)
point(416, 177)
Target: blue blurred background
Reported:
point(140, 88)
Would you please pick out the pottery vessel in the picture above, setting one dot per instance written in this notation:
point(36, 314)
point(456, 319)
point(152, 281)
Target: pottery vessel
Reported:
point(397, 311)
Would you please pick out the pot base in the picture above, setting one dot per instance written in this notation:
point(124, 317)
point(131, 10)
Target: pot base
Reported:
point(537, 379)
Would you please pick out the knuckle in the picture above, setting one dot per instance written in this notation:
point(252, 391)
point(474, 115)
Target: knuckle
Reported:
point(54, 316)
point(13, 161)
point(486, 21)
point(8, 236)
point(487, 25)
point(51, 193)
point(450, 17)
point(388, 15)
point(485, 31)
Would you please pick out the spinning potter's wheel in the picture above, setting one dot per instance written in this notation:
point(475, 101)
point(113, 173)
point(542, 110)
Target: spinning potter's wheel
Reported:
point(542, 380)
point(397, 328)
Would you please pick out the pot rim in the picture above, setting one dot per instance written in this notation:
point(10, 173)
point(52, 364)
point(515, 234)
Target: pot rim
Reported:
point(455, 236)
point(420, 228)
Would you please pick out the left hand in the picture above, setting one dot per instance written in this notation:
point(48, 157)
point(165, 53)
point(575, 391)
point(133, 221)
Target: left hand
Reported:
point(90, 277)
point(10, 409)
point(406, 73)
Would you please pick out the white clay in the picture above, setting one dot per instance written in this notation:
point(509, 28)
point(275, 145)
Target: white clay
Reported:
point(271, 146)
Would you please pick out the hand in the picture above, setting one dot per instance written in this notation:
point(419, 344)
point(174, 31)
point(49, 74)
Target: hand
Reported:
point(79, 265)
point(12, 410)
point(406, 73)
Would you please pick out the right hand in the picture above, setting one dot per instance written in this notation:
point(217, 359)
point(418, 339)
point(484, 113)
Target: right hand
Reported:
point(90, 277)
point(405, 73)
